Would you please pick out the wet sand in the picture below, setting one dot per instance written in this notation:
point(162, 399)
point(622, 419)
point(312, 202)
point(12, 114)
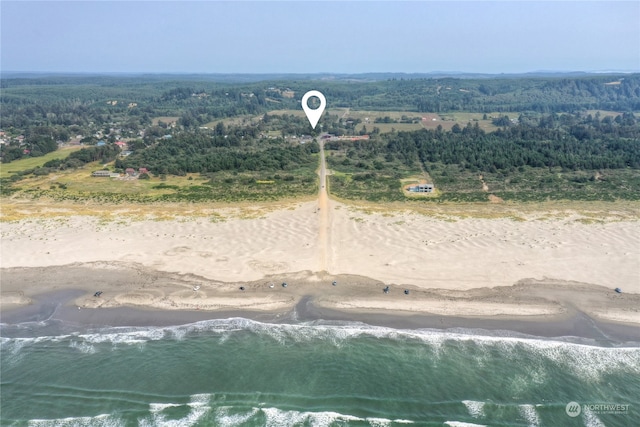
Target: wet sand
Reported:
point(59, 306)
point(164, 299)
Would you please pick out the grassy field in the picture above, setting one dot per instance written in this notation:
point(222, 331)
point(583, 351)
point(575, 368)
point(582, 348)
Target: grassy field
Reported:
point(297, 113)
point(431, 120)
point(389, 127)
point(234, 121)
point(7, 169)
point(164, 119)
point(424, 120)
point(536, 184)
point(368, 178)
point(79, 185)
point(603, 113)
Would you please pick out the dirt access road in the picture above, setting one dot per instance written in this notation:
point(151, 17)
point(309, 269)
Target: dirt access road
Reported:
point(323, 213)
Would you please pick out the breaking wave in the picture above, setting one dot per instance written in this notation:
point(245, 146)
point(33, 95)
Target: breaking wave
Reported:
point(587, 361)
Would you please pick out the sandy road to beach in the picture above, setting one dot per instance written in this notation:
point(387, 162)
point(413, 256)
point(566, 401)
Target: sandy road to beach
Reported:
point(323, 213)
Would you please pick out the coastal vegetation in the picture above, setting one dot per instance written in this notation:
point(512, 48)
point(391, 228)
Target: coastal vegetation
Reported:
point(215, 139)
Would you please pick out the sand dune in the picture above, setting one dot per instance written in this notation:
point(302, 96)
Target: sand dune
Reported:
point(473, 253)
point(401, 248)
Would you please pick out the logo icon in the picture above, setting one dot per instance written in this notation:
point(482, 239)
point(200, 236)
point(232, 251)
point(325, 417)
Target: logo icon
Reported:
point(573, 409)
point(313, 115)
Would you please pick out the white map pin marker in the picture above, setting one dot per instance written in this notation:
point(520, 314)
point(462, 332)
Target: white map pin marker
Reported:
point(313, 115)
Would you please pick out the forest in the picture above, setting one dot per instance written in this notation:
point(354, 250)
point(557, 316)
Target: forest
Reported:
point(81, 102)
point(552, 137)
point(554, 156)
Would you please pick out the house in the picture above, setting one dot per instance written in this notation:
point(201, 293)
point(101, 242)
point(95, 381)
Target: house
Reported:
point(130, 171)
point(101, 174)
point(143, 170)
point(121, 144)
point(421, 188)
point(101, 143)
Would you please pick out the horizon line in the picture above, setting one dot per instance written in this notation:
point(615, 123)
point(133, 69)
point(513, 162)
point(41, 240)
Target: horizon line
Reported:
point(603, 71)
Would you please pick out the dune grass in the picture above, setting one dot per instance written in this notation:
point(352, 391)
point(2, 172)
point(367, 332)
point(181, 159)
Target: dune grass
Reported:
point(8, 169)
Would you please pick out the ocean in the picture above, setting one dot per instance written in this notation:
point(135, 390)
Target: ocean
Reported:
point(241, 372)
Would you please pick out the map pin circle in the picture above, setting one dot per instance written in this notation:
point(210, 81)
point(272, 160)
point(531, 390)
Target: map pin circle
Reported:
point(313, 115)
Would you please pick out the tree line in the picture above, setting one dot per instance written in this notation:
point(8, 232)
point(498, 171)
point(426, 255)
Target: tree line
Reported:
point(192, 152)
point(570, 142)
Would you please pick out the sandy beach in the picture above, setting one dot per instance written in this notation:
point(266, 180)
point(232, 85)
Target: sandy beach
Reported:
point(451, 266)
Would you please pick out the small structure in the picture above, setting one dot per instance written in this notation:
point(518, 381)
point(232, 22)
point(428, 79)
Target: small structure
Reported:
point(143, 170)
point(421, 188)
point(130, 171)
point(101, 174)
point(101, 143)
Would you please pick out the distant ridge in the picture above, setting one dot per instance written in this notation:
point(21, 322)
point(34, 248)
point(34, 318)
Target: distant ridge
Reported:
point(250, 77)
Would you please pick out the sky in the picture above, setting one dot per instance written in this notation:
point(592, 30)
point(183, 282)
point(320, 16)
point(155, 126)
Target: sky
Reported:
point(319, 36)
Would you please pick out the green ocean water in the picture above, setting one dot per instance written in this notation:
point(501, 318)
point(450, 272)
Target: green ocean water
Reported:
point(239, 372)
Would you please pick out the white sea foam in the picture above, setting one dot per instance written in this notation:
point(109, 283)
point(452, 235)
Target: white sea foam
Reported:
point(586, 361)
point(590, 419)
point(379, 422)
point(159, 407)
point(83, 347)
point(462, 424)
point(11, 350)
point(104, 420)
point(476, 409)
point(199, 406)
point(529, 413)
point(279, 418)
point(226, 419)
